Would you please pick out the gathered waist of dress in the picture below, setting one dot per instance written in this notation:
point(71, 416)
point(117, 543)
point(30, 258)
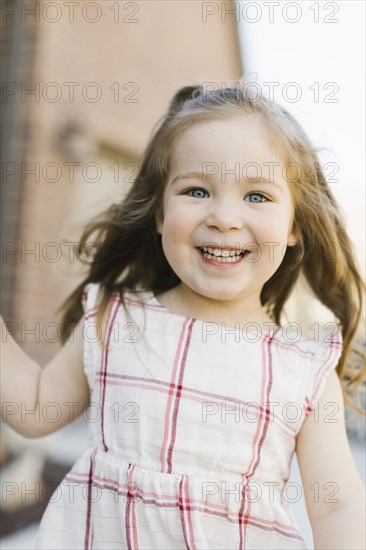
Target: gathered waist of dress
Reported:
point(110, 471)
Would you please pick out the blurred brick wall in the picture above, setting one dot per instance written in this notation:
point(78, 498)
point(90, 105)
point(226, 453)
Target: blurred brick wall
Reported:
point(102, 75)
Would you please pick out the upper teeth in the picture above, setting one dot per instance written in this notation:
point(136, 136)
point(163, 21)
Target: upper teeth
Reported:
point(222, 252)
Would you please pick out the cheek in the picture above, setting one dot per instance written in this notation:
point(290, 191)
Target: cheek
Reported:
point(177, 221)
point(171, 229)
point(176, 236)
point(270, 225)
point(271, 235)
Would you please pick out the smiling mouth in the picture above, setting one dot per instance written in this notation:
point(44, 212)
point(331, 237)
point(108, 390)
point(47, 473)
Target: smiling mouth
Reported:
point(222, 255)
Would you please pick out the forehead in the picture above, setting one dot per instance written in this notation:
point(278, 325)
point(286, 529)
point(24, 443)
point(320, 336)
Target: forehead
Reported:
point(242, 139)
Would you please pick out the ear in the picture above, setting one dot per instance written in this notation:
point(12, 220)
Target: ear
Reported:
point(158, 222)
point(293, 237)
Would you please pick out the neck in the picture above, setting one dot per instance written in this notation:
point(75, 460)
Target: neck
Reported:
point(183, 300)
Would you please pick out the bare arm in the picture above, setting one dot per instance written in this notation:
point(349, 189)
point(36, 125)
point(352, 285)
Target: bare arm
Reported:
point(328, 471)
point(36, 401)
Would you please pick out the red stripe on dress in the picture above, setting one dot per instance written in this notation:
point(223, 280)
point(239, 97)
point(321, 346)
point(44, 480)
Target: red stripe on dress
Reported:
point(266, 417)
point(289, 430)
point(130, 513)
point(105, 351)
point(128, 298)
point(216, 510)
point(178, 395)
point(167, 423)
point(263, 423)
point(185, 510)
point(161, 309)
point(188, 511)
point(181, 511)
point(242, 514)
point(325, 369)
point(265, 525)
point(91, 312)
point(112, 485)
point(134, 518)
point(87, 544)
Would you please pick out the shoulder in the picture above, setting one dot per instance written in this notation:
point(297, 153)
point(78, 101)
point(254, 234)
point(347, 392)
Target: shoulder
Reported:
point(304, 362)
point(291, 339)
point(325, 360)
point(93, 293)
point(138, 297)
point(318, 356)
point(90, 296)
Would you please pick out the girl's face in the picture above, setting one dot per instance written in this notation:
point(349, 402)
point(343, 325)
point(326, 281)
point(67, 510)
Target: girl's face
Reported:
point(227, 210)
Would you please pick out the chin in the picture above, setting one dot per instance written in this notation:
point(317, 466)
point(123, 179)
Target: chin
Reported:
point(219, 294)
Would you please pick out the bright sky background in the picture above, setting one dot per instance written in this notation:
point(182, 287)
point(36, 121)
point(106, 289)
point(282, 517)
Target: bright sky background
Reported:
point(331, 54)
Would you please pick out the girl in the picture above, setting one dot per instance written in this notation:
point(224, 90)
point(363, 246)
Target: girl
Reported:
point(200, 396)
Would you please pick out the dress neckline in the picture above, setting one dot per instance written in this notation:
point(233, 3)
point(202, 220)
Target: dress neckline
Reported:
point(263, 334)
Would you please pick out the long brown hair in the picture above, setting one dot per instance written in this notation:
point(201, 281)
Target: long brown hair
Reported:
point(129, 252)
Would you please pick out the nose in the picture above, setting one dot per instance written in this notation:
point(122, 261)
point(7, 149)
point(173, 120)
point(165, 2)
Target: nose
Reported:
point(225, 215)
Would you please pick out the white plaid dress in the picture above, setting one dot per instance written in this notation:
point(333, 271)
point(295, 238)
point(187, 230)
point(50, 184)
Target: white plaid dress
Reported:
point(192, 431)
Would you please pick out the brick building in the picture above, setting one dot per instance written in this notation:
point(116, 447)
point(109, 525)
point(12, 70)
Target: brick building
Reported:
point(83, 86)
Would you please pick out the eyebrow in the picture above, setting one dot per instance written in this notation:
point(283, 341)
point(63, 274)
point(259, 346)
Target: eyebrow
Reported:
point(199, 175)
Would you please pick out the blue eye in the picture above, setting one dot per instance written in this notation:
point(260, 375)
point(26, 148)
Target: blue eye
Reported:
point(258, 197)
point(197, 193)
